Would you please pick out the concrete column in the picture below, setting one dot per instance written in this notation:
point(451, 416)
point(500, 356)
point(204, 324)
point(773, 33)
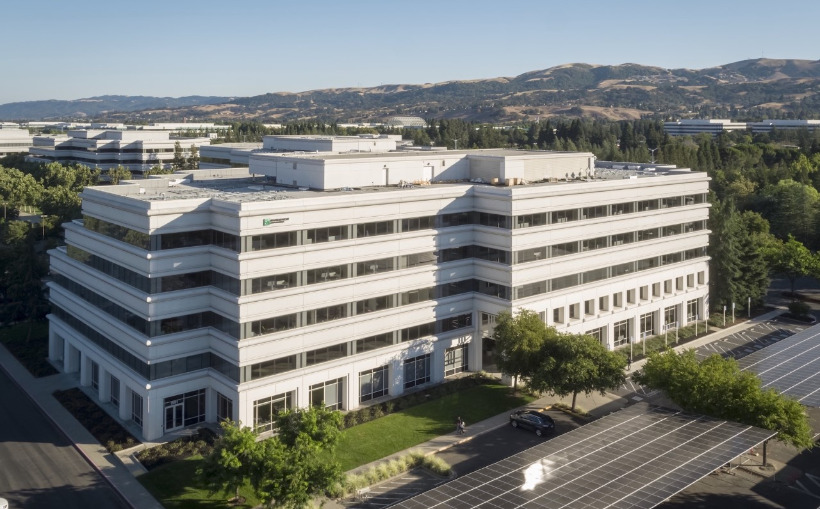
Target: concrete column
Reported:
point(397, 376)
point(352, 391)
point(71, 360)
point(125, 402)
point(85, 370)
point(437, 363)
point(152, 418)
point(475, 352)
point(56, 347)
point(104, 392)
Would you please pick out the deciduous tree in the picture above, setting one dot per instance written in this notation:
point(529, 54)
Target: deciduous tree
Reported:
point(517, 341)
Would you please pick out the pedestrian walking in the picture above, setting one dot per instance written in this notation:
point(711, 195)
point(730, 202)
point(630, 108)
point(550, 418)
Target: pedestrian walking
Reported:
point(459, 426)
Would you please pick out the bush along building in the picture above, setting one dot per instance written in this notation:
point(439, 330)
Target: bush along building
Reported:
point(340, 278)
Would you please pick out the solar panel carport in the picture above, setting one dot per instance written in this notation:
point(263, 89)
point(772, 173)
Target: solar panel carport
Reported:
point(634, 458)
point(792, 366)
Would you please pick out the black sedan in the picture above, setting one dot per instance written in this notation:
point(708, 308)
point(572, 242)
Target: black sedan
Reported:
point(530, 419)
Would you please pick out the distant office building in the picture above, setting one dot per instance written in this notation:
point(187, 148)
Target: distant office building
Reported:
point(771, 125)
point(14, 140)
point(406, 122)
point(138, 151)
point(344, 278)
point(694, 127)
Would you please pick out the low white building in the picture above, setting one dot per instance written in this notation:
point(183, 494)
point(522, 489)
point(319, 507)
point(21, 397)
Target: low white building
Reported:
point(347, 278)
point(692, 127)
point(14, 140)
point(138, 151)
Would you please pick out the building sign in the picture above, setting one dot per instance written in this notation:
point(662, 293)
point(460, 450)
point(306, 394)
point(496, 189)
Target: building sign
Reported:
point(268, 222)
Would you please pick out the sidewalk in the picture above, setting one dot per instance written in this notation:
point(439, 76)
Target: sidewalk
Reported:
point(108, 465)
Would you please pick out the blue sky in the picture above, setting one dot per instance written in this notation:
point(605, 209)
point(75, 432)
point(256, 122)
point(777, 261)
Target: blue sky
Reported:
point(82, 48)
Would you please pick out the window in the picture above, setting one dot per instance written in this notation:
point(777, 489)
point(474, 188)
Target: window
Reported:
point(650, 234)
point(268, 368)
point(115, 391)
point(373, 229)
point(692, 310)
point(416, 371)
point(674, 201)
point(646, 324)
point(592, 244)
point(667, 286)
point(690, 280)
point(327, 394)
point(668, 231)
point(530, 220)
point(324, 274)
point(563, 216)
point(647, 205)
point(95, 376)
point(373, 383)
point(670, 316)
point(558, 315)
point(620, 332)
point(594, 212)
point(598, 334)
point(328, 234)
point(494, 220)
point(224, 408)
point(190, 404)
point(374, 266)
point(623, 238)
point(560, 283)
point(455, 360)
point(265, 410)
point(623, 208)
point(326, 354)
point(273, 282)
point(656, 289)
point(630, 296)
point(418, 223)
point(327, 314)
point(530, 255)
point(374, 342)
point(701, 277)
point(564, 249)
point(574, 311)
point(644, 291)
point(418, 260)
point(374, 304)
point(136, 408)
point(679, 283)
point(420, 295)
point(589, 307)
point(603, 303)
point(617, 300)
point(530, 289)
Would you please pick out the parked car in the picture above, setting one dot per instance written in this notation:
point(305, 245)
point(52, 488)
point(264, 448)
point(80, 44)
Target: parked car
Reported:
point(539, 422)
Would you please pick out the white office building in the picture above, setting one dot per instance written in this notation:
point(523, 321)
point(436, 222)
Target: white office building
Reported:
point(138, 151)
point(347, 278)
point(14, 140)
point(695, 126)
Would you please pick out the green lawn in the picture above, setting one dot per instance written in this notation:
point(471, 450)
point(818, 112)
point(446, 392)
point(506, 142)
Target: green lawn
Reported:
point(175, 486)
point(28, 342)
point(395, 432)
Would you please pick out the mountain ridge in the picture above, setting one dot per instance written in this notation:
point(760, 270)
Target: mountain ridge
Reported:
point(754, 87)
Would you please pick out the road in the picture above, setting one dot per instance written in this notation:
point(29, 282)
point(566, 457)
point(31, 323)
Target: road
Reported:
point(39, 467)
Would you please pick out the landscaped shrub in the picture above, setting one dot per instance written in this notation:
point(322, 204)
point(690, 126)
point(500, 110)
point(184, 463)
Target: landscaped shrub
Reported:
point(351, 419)
point(376, 411)
point(28, 342)
point(102, 426)
point(798, 308)
point(386, 470)
point(201, 443)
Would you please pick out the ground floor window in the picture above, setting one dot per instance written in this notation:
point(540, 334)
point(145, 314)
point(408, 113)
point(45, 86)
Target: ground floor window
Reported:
point(265, 410)
point(224, 408)
point(136, 408)
point(115, 391)
point(620, 333)
point(598, 334)
point(692, 310)
point(95, 376)
point(455, 360)
point(670, 316)
point(647, 324)
point(416, 371)
point(373, 383)
point(327, 394)
point(184, 409)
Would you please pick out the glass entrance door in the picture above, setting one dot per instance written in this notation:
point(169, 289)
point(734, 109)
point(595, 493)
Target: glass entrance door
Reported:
point(173, 415)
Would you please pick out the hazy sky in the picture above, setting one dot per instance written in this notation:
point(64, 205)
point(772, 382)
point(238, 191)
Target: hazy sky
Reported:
point(82, 48)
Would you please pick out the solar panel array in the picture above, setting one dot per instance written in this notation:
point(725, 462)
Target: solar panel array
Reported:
point(635, 458)
point(792, 366)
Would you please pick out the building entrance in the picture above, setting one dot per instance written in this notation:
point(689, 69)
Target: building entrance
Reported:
point(174, 411)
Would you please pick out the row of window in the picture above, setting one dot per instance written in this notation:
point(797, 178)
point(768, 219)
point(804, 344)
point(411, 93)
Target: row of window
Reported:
point(616, 209)
point(284, 364)
point(623, 332)
point(591, 276)
point(373, 383)
point(350, 231)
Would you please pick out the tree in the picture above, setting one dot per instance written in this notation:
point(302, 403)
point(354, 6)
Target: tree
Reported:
point(297, 464)
point(792, 208)
point(793, 260)
point(178, 162)
point(717, 387)
point(574, 363)
point(230, 463)
point(118, 173)
point(517, 339)
point(192, 163)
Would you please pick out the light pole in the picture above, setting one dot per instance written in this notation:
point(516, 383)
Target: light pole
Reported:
point(733, 312)
point(749, 307)
point(724, 315)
